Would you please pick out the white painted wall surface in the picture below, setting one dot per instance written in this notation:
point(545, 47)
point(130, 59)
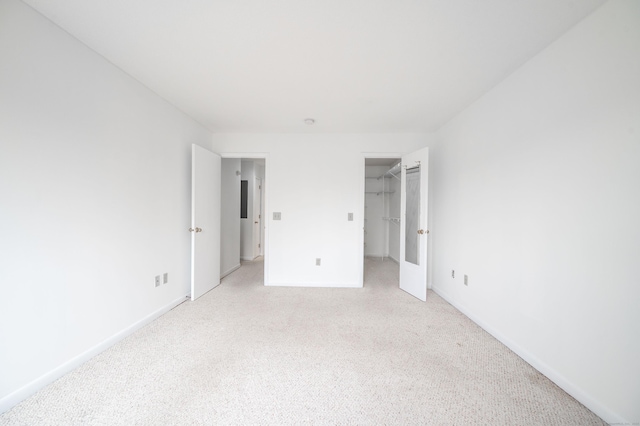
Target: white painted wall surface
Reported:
point(537, 188)
point(315, 180)
point(230, 216)
point(246, 224)
point(95, 199)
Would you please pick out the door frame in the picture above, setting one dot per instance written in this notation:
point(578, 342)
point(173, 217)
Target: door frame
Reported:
point(265, 200)
point(365, 156)
point(257, 237)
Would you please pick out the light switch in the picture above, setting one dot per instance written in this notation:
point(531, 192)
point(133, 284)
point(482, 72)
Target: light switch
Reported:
point(277, 216)
point(350, 217)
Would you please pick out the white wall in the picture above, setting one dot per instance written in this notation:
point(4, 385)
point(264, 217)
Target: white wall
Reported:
point(230, 216)
point(95, 202)
point(537, 199)
point(315, 180)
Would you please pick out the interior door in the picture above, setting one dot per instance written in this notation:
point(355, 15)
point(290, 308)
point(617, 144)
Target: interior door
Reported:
point(205, 221)
point(414, 232)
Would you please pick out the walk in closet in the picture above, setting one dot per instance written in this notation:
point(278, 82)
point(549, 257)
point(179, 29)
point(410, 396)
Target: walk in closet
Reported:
point(382, 209)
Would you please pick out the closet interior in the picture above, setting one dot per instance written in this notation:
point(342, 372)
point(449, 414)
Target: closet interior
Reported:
point(382, 208)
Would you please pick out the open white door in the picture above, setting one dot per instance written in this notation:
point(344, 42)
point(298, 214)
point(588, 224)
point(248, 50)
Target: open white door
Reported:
point(205, 221)
point(413, 233)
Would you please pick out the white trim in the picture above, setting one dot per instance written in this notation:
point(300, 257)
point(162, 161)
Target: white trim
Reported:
point(252, 155)
point(29, 389)
point(382, 155)
point(579, 394)
point(393, 259)
point(378, 255)
point(232, 269)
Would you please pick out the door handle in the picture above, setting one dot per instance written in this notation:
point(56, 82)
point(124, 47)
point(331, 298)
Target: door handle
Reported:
point(195, 229)
point(255, 221)
point(422, 231)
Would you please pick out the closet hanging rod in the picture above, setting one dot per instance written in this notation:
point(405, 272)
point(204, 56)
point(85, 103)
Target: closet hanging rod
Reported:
point(379, 192)
point(393, 171)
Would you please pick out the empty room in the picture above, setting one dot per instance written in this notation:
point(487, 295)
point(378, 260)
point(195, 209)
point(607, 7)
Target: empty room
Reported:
point(336, 212)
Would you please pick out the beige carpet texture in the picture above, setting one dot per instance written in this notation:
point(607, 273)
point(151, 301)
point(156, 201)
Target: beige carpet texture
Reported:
point(246, 354)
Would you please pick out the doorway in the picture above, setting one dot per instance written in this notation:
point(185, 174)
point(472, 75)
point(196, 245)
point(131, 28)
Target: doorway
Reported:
point(382, 196)
point(243, 228)
point(395, 216)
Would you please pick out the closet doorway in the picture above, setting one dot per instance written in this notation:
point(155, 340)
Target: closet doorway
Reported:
point(382, 222)
point(396, 219)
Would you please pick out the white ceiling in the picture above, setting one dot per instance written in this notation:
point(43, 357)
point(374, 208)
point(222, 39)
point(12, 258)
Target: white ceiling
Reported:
point(352, 65)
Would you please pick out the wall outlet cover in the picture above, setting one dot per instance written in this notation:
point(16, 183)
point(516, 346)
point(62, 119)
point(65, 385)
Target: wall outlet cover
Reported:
point(277, 216)
point(165, 278)
point(157, 280)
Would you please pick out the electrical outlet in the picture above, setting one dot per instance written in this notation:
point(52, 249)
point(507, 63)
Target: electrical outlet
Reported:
point(277, 216)
point(453, 273)
point(157, 280)
point(466, 280)
point(165, 278)
point(317, 261)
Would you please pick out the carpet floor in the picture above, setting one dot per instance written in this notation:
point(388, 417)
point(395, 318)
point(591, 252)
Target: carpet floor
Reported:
point(245, 354)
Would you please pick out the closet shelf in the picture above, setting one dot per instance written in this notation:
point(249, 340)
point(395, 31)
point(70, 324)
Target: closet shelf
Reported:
point(392, 172)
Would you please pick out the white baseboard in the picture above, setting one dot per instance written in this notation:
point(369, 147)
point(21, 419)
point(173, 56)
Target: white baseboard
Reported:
point(385, 257)
point(29, 389)
point(579, 394)
point(235, 268)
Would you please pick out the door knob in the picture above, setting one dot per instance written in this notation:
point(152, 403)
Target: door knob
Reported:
point(198, 229)
point(191, 230)
point(422, 231)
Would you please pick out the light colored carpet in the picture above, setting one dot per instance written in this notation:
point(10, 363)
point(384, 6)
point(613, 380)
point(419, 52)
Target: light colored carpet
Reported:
point(249, 354)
